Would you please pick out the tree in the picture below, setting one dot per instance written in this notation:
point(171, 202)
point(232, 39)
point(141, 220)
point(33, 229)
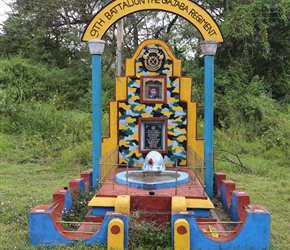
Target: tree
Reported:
point(45, 30)
point(253, 60)
point(255, 47)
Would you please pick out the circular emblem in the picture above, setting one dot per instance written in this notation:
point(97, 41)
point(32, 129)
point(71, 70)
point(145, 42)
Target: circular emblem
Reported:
point(153, 59)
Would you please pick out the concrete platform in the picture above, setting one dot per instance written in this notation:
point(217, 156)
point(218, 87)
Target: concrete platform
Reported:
point(154, 202)
point(192, 189)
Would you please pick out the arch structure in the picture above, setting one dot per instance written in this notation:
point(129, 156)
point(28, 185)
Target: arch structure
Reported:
point(118, 9)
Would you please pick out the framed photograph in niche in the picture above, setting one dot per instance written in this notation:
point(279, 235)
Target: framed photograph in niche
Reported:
point(153, 135)
point(153, 89)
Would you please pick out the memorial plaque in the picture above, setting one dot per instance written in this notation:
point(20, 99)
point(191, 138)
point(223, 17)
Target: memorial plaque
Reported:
point(154, 136)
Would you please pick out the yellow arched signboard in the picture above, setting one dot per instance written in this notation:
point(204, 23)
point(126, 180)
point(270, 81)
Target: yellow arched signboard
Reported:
point(117, 9)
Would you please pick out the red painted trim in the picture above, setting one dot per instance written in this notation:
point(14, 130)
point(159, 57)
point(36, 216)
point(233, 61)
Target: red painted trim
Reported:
point(181, 230)
point(58, 201)
point(243, 200)
point(230, 186)
point(142, 89)
point(206, 220)
point(74, 185)
point(219, 177)
point(156, 204)
point(86, 175)
point(115, 229)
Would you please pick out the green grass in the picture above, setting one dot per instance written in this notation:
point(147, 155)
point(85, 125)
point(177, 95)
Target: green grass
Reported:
point(268, 184)
point(25, 184)
point(22, 188)
point(274, 196)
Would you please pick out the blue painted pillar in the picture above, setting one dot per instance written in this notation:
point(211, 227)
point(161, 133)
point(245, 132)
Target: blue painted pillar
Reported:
point(96, 49)
point(208, 50)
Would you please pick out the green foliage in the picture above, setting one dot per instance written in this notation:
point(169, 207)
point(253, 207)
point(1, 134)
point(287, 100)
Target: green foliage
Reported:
point(22, 79)
point(50, 134)
point(79, 209)
point(45, 121)
point(79, 155)
point(261, 121)
point(108, 90)
point(23, 187)
point(267, 185)
point(148, 234)
point(43, 30)
point(267, 136)
point(256, 40)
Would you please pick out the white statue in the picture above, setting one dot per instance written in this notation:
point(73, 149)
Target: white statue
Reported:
point(153, 162)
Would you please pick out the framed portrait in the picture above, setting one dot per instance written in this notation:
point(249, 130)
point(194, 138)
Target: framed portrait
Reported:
point(153, 134)
point(153, 89)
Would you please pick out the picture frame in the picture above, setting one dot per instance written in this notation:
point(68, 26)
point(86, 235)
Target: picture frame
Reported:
point(153, 89)
point(153, 134)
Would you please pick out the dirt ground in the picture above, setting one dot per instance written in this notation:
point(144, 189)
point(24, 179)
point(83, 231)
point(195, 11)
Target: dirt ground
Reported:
point(222, 214)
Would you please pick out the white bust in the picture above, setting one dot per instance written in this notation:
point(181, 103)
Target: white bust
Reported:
point(153, 162)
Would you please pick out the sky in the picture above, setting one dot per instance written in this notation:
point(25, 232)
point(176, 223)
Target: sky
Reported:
point(3, 9)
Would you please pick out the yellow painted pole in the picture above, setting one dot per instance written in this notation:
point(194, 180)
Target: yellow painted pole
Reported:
point(181, 235)
point(116, 234)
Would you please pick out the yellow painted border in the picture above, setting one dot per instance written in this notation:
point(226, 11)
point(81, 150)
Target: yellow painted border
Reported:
point(178, 204)
point(118, 9)
point(199, 203)
point(102, 202)
point(122, 204)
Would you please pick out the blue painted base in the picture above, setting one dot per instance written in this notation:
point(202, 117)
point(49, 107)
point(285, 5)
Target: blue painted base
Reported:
point(101, 211)
point(200, 213)
point(255, 234)
point(155, 183)
point(43, 230)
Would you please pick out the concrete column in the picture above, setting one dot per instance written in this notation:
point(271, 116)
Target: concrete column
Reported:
point(209, 48)
point(96, 49)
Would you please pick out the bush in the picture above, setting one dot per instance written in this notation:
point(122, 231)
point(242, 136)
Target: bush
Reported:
point(44, 120)
point(148, 233)
point(23, 79)
point(79, 209)
point(47, 133)
point(80, 155)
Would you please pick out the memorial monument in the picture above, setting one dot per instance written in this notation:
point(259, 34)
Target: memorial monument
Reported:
point(153, 125)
